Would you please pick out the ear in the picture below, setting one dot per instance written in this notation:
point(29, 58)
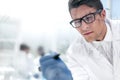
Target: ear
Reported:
point(103, 14)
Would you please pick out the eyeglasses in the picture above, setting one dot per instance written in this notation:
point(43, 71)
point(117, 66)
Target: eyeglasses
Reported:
point(89, 18)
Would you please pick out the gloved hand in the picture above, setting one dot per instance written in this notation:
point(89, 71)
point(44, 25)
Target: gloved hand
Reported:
point(53, 68)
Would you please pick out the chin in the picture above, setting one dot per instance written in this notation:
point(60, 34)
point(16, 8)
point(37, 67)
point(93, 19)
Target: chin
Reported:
point(89, 40)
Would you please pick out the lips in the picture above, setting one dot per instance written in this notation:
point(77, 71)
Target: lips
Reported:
point(87, 33)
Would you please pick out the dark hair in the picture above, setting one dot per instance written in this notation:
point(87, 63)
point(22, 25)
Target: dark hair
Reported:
point(24, 47)
point(90, 3)
point(41, 50)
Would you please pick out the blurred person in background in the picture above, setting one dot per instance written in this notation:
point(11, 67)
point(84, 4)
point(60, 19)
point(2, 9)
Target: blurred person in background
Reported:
point(23, 63)
point(37, 69)
point(40, 53)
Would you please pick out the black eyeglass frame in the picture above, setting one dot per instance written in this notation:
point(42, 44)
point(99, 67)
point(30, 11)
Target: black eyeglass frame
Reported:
point(80, 19)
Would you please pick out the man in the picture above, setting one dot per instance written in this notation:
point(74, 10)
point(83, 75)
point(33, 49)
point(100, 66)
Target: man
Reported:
point(23, 63)
point(41, 53)
point(37, 69)
point(96, 55)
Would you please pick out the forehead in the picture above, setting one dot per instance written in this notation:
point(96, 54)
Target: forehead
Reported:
point(81, 11)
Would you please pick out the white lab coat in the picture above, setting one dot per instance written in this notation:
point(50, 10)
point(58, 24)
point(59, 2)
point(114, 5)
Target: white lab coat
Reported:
point(86, 62)
point(23, 64)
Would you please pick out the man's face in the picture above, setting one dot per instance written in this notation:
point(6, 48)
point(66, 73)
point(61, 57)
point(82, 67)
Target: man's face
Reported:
point(95, 30)
point(27, 51)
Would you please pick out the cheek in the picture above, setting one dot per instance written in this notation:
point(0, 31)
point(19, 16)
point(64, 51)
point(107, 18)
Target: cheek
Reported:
point(97, 30)
point(96, 26)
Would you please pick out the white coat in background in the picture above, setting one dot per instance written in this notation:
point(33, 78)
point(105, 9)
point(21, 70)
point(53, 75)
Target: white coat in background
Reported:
point(24, 65)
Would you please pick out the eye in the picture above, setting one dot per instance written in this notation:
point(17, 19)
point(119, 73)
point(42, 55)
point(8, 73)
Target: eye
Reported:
point(77, 23)
point(89, 18)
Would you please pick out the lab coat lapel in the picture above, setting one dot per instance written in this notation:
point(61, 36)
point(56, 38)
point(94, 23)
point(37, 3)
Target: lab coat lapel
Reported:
point(97, 64)
point(116, 59)
point(115, 27)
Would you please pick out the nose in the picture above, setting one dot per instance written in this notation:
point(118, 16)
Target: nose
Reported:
point(84, 26)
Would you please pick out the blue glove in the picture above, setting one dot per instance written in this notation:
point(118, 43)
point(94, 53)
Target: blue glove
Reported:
point(53, 68)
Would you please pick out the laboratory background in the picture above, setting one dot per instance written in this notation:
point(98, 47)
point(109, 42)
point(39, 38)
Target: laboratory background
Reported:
point(37, 25)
